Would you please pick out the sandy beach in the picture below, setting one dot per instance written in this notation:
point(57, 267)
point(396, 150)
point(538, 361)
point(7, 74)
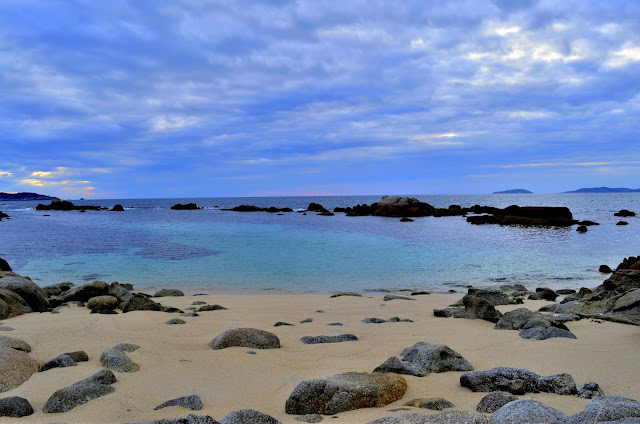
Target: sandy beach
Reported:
point(175, 360)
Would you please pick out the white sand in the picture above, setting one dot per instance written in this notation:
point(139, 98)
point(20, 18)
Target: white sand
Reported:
point(175, 360)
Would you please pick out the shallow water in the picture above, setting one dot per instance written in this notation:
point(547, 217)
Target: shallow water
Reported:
point(152, 246)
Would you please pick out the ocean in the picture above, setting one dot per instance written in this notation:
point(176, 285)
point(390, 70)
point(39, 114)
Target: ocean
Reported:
point(214, 251)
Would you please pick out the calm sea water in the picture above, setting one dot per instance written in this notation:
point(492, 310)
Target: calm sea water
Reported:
point(210, 250)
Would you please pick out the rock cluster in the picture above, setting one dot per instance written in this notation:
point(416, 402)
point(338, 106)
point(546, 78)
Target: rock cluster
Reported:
point(517, 381)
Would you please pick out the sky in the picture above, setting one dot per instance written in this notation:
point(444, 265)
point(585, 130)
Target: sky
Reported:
point(195, 98)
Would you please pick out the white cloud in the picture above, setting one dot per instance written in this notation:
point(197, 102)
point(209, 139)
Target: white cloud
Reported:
point(626, 55)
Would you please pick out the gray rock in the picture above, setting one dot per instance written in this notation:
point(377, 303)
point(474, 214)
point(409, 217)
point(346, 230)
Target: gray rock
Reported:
point(12, 305)
point(354, 294)
point(14, 343)
point(446, 417)
point(310, 418)
point(16, 407)
point(435, 404)
point(606, 408)
point(4, 265)
point(120, 291)
point(248, 416)
point(168, 293)
point(206, 308)
point(29, 291)
point(528, 411)
point(116, 359)
point(494, 401)
point(345, 392)
point(395, 297)
point(515, 320)
point(246, 337)
point(5, 328)
point(517, 381)
point(198, 302)
point(103, 304)
point(281, 323)
point(328, 339)
point(336, 324)
point(373, 320)
point(191, 314)
point(540, 333)
point(190, 419)
point(424, 358)
point(306, 320)
point(495, 297)
point(60, 361)
point(140, 302)
point(192, 402)
point(78, 355)
point(84, 293)
point(16, 367)
point(176, 321)
point(79, 393)
point(398, 319)
point(590, 390)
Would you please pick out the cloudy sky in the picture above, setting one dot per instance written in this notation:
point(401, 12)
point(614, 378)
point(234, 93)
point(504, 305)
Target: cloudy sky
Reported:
point(146, 98)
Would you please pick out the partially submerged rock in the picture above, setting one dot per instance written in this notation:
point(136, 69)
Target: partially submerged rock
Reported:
point(345, 392)
point(517, 381)
point(83, 391)
point(246, 337)
point(423, 358)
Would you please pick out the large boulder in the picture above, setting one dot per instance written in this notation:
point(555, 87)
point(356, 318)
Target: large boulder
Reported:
point(423, 358)
point(84, 293)
point(517, 381)
point(606, 408)
point(102, 304)
point(246, 337)
point(345, 392)
point(27, 290)
point(528, 411)
point(16, 367)
point(396, 206)
point(12, 305)
point(83, 391)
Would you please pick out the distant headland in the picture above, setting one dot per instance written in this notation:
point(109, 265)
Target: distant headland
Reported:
point(514, 191)
point(25, 196)
point(605, 190)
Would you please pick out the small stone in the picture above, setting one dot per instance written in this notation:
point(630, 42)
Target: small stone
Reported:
point(306, 320)
point(252, 352)
point(420, 293)
point(373, 320)
point(319, 311)
point(395, 297)
point(336, 324)
point(198, 302)
point(174, 321)
point(354, 294)
point(191, 314)
point(246, 337)
point(281, 323)
point(7, 329)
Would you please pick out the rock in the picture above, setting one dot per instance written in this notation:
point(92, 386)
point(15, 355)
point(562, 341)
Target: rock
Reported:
point(494, 401)
point(424, 358)
point(192, 402)
point(517, 381)
point(4, 265)
point(336, 324)
point(515, 320)
point(248, 416)
point(622, 223)
point(281, 323)
point(13, 343)
point(306, 320)
point(494, 297)
point(328, 339)
point(605, 269)
point(310, 418)
point(373, 320)
point(190, 419)
point(419, 293)
point(436, 404)
point(345, 392)
point(120, 291)
point(315, 207)
point(582, 229)
point(117, 208)
point(191, 314)
point(246, 337)
point(528, 411)
point(566, 291)
point(84, 293)
point(339, 294)
point(606, 408)
point(168, 293)
point(12, 305)
point(624, 213)
point(29, 291)
point(187, 206)
point(544, 293)
point(206, 308)
point(102, 304)
point(78, 355)
point(16, 407)
point(16, 367)
point(476, 307)
point(116, 359)
point(79, 393)
point(405, 219)
point(176, 321)
point(140, 302)
point(587, 223)
point(60, 361)
point(395, 297)
point(198, 302)
point(540, 333)
point(589, 390)
point(446, 417)
point(545, 216)
point(398, 319)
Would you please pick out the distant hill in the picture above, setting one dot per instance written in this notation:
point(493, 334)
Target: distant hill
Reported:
point(25, 196)
point(605, 190)
point(514, 191)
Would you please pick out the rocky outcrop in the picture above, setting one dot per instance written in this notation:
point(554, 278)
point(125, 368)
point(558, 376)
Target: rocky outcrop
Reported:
point(544, 216)
point(345, 392)
point(187, 206)
point(65, 205)
point(15, 407)
point(246, 337)
point(423, 358)
point(528, 411)
point(494, 401)
point(29, 291)
point(117, 360)
point(83, 391)
point(16, 367)
point(517, 381)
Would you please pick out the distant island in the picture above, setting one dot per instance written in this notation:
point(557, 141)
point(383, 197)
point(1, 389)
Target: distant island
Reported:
point(605, 190)
point(25, 196)
point(514, 191)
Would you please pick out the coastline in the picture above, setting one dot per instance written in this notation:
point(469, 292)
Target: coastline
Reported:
point(175, 360)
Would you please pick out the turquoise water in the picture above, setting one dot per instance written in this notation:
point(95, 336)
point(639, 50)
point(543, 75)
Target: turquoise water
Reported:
point(212, 250)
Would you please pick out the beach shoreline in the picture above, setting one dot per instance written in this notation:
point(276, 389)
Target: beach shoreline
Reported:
point(176, 360)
